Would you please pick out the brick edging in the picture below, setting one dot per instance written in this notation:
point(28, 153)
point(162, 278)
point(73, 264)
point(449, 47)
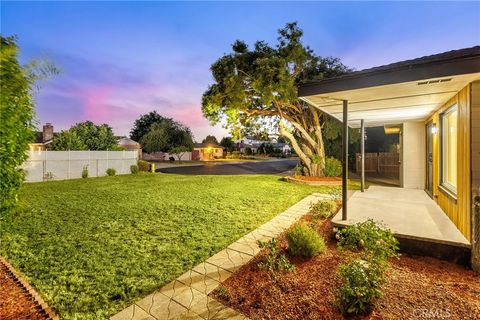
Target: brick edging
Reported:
point(37, 299)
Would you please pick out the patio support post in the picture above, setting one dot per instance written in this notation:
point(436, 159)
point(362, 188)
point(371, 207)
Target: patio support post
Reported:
point(362, 151)
point(344, 159)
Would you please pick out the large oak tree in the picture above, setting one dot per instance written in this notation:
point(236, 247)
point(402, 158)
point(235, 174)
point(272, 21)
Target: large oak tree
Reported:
point(257, 88)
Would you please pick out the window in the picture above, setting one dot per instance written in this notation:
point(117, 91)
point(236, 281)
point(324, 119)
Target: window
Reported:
point(448, 149)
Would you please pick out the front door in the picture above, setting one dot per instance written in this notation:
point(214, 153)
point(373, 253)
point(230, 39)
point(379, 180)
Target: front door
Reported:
point(429, 165)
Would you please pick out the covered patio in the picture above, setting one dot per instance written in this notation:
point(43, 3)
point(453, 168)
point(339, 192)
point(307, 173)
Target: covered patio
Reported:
point(402, 97)
point(409, 213)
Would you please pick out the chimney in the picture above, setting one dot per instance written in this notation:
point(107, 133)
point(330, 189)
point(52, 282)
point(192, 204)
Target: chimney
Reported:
point(47, 132)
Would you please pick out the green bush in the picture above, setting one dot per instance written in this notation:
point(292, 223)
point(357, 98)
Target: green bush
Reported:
point(143, 166)
point(111, 172)
point(304, 241)
point(360, 284)
point(298, 170)
point(371, 237)
point(323, 208)
point(134, 169)
point(85, 172)
point(274, 260)
point(333, 167)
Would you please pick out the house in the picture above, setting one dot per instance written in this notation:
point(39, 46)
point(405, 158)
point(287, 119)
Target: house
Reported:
point(43, 138)
point(207, 151)
point(130, 145)
point(433, 103)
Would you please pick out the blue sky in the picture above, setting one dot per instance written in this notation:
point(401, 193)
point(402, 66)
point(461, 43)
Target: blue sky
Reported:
point(123, 59)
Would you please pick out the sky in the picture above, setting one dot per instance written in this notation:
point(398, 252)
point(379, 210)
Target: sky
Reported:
point(119, 60)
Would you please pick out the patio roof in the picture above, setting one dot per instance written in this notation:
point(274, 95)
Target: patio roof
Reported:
point(404, 91)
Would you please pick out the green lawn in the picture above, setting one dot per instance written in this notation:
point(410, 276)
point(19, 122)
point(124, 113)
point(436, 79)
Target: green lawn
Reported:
point(93, 246)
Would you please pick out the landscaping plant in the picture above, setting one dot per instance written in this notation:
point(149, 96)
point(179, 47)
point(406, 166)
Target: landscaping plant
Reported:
point(304, 241)
point(85, 172)
point(143, 166)
point(134, 169)
point(111, 172)
point(323, 208)
point(333, 167)
point(371, 237)
point(360, 283)
point(274, 260)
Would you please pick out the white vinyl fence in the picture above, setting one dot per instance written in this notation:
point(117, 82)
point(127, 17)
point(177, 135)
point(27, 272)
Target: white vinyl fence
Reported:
point(61, 165)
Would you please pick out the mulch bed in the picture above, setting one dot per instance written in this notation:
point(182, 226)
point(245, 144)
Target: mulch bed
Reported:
point(16, 302)
point(312, 178)
point(417, 288)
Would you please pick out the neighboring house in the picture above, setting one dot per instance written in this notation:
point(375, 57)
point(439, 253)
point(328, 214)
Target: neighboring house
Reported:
point(207, 151)
point(254, 145)
point(130, 145)
point(43, 138)
point(433, 103)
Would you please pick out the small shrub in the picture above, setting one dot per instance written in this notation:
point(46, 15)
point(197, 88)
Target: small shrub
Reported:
point(323, 208)
point(333, 167)
point(370, 236)
point(48, 176)
point(171, 159)
point(222, 293)
point(134, 169)
point(360, 284)
point(111, 172)
point(298, 170)
point(304, 241)
point(274, 260)
point(85, 172)
point(143, 166)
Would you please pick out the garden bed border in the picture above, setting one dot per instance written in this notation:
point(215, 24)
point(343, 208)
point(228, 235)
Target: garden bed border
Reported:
point(23, 283)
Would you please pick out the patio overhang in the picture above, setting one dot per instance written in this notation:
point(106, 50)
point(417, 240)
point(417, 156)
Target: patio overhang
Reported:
point(400, 92)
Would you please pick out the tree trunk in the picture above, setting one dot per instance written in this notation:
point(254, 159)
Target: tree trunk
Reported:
point(307, 140)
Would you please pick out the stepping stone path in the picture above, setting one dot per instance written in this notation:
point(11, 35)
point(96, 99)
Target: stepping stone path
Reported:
point(187, 296)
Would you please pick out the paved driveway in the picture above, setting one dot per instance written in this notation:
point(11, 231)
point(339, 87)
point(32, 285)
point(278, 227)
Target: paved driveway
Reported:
point(215, 168)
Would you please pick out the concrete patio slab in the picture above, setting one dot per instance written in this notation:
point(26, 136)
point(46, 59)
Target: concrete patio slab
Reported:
point(409, 213)
point(187, 296)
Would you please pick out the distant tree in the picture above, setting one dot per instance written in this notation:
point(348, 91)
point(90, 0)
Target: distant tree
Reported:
point(165, 136)
point(142, 125)
point(210, 139)
point(95, 137)
point(282, 140)
point(227, 143)
point(86, 136)
point(67, 140)
point(180, 151)
point(17, 87)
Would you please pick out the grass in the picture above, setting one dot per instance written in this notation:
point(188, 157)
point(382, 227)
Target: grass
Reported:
point(93, 246)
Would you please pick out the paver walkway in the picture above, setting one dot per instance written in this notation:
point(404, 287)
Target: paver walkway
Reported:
point(187, 296)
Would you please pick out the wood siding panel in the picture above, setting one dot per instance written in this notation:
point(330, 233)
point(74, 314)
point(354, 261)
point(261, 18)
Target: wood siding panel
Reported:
point(458, 211)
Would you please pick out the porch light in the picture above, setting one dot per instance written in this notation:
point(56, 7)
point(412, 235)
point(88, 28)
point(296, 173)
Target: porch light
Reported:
point(434, 129)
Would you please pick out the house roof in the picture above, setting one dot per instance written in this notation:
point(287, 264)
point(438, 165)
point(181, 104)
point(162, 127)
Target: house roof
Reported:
point(403, 91)
point(207, 145)
point(124, 141)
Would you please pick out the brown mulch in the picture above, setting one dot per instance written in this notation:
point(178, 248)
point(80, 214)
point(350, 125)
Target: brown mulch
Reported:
point(417, 288)
point(312, 178)
point(15, 301)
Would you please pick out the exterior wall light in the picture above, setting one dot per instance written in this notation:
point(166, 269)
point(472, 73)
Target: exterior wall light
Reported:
point(434, 129)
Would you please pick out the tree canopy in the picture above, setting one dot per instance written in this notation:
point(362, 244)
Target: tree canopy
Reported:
point(210, 139)
point(85, 136)
point(257, 88)
point(142, 125)
point(163, 135)
point(17, 110)
point(227, 143)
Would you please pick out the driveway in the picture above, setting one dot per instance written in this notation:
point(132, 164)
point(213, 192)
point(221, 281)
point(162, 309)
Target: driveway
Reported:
point(215, 168)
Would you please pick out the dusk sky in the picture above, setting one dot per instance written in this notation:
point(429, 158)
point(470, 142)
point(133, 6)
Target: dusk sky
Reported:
point(123, 59)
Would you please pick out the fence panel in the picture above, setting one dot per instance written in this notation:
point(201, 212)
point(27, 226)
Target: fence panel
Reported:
point(61, 165)
point(383, 163)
